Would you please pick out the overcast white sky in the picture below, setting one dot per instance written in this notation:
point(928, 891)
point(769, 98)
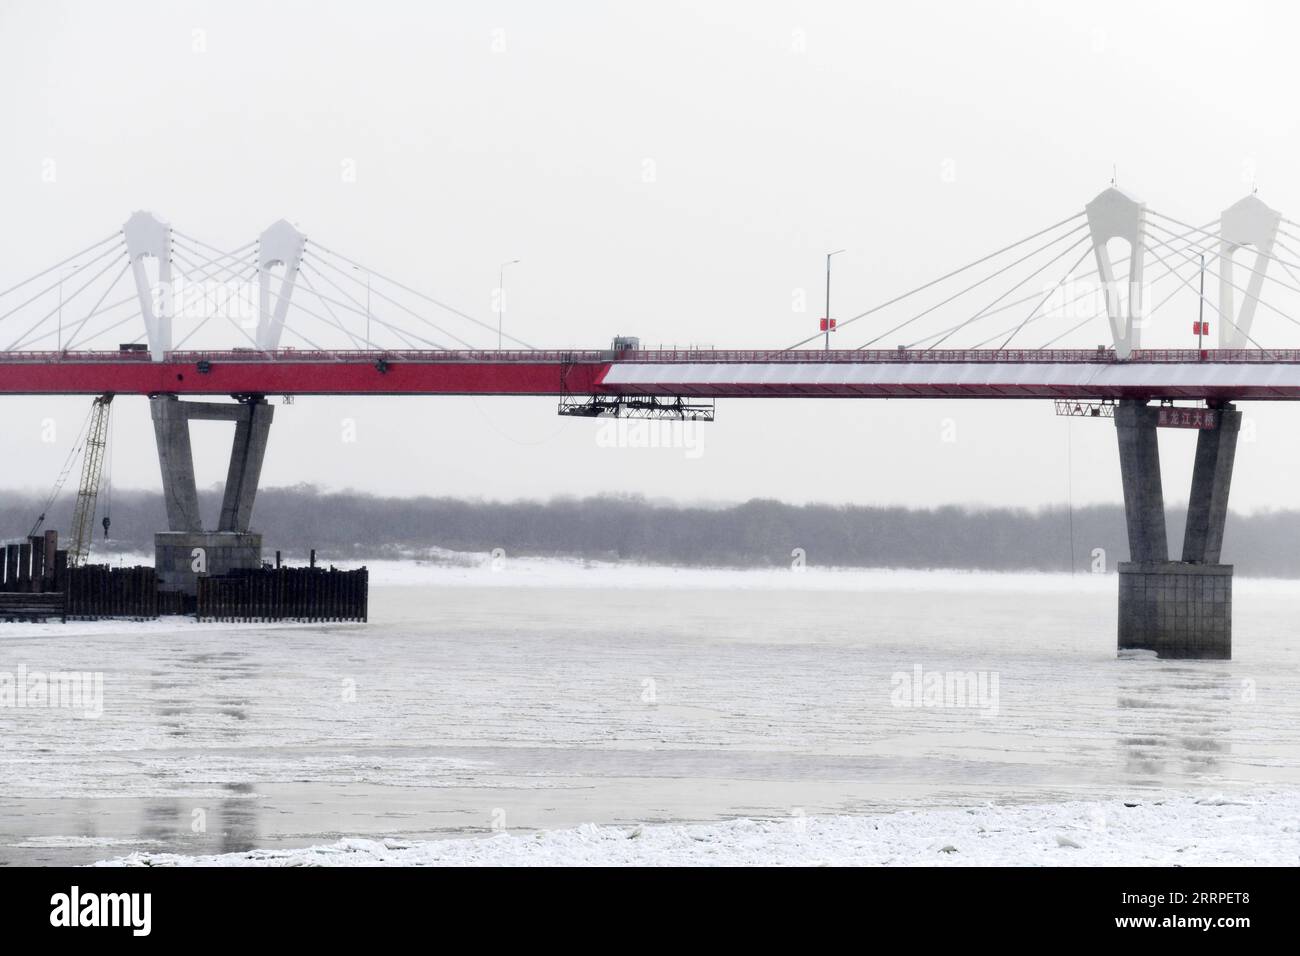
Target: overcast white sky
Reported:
point(916, 135)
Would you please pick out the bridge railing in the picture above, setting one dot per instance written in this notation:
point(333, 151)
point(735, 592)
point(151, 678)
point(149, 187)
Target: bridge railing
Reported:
point(678, 356)
point(548, 356)
point(960, 356)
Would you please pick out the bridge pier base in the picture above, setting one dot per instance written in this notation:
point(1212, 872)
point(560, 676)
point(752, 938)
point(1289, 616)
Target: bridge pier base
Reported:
point(186, 552)
point(182, 557)
point(1176, 609)
point(1179, 609)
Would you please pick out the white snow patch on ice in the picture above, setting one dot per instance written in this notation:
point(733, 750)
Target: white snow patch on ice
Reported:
point(65, 842)
point(1181, 830)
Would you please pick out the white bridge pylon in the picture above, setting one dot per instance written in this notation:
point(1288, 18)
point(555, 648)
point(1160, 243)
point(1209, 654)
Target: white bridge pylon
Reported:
point(1247, 222)
point(147, 236)
point(279, 245)
point(1114, 214)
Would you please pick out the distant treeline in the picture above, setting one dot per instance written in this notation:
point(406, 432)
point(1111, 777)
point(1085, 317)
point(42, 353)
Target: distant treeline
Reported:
point(758, 533)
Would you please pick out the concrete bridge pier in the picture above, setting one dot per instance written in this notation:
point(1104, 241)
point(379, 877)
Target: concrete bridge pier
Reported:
point(186, 552)
point(1179, 609)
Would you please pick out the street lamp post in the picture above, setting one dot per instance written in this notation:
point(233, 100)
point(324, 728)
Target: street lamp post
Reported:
point(63, 274)
point(827, 320)
point(367, 272)
point(501, 297)
point(1200, 317)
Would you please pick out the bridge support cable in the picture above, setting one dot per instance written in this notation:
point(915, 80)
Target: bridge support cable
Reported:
point(50, 288)
point(327, 301)
point(212, 253)
point(975, 285)
point(1095, 315)
point(1196, 291)
point(1042, 302)
point(1074, 328)
point(1291, 252)
point(58, 265)
point(942, 278)
point(1076, 277)
point(71, 342)
point(1231, 285)
point(239, 279)
point(1201, 246)
point(1055, 259)
point(1242, 321)
point(1091, 292)
point(294, 304)
point(357, 343)
point(226, 261)
point(380, 294)
point(415, 292)
point(358, 308)
point(55, 311)
point(109, 328)
point(1205, 246)
point(1211, 235)
point(1252, 226)
point(209, 270)
point(218, 253)
point(95, 309)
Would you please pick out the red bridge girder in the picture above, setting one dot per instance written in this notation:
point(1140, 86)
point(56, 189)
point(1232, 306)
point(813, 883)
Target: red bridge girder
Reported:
point(1181, 374)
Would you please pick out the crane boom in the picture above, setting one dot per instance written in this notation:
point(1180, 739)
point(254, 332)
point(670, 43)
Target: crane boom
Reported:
point(92, 464)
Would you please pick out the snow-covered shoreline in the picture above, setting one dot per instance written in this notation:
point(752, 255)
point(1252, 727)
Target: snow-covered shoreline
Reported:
point(443, 568)
point(1260, 829)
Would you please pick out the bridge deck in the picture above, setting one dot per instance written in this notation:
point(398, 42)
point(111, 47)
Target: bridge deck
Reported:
point(1060, 373)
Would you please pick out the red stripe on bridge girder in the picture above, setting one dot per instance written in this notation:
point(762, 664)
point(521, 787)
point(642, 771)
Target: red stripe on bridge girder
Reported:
point(69, 377)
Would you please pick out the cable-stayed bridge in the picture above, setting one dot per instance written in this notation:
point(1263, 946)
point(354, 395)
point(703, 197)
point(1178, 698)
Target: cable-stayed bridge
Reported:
point(1105, 311)
point(1177, 311)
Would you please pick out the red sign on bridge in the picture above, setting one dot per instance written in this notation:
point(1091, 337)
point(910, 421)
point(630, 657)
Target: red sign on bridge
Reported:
point(1171, 416)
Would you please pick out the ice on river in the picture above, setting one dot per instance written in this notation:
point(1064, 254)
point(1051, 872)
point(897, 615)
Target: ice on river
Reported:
point(531, 696)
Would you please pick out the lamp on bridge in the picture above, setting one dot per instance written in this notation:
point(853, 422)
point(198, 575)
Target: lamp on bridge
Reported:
point(67, 271)
point(501, 297)
point(367, 272)
point(828, 324)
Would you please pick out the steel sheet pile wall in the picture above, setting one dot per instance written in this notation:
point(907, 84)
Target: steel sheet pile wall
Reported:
point(31, 576)
point(285, 594)
point(97, 591)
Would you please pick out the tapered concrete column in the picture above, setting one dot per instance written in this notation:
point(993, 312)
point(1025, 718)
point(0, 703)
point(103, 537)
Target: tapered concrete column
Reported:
point(186, 552)
point(246, 457)
point(1207, 508)
point(171, 425)
point(1139, 465)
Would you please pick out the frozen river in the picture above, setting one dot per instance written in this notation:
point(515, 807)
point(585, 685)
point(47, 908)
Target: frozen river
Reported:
point(551, 695)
